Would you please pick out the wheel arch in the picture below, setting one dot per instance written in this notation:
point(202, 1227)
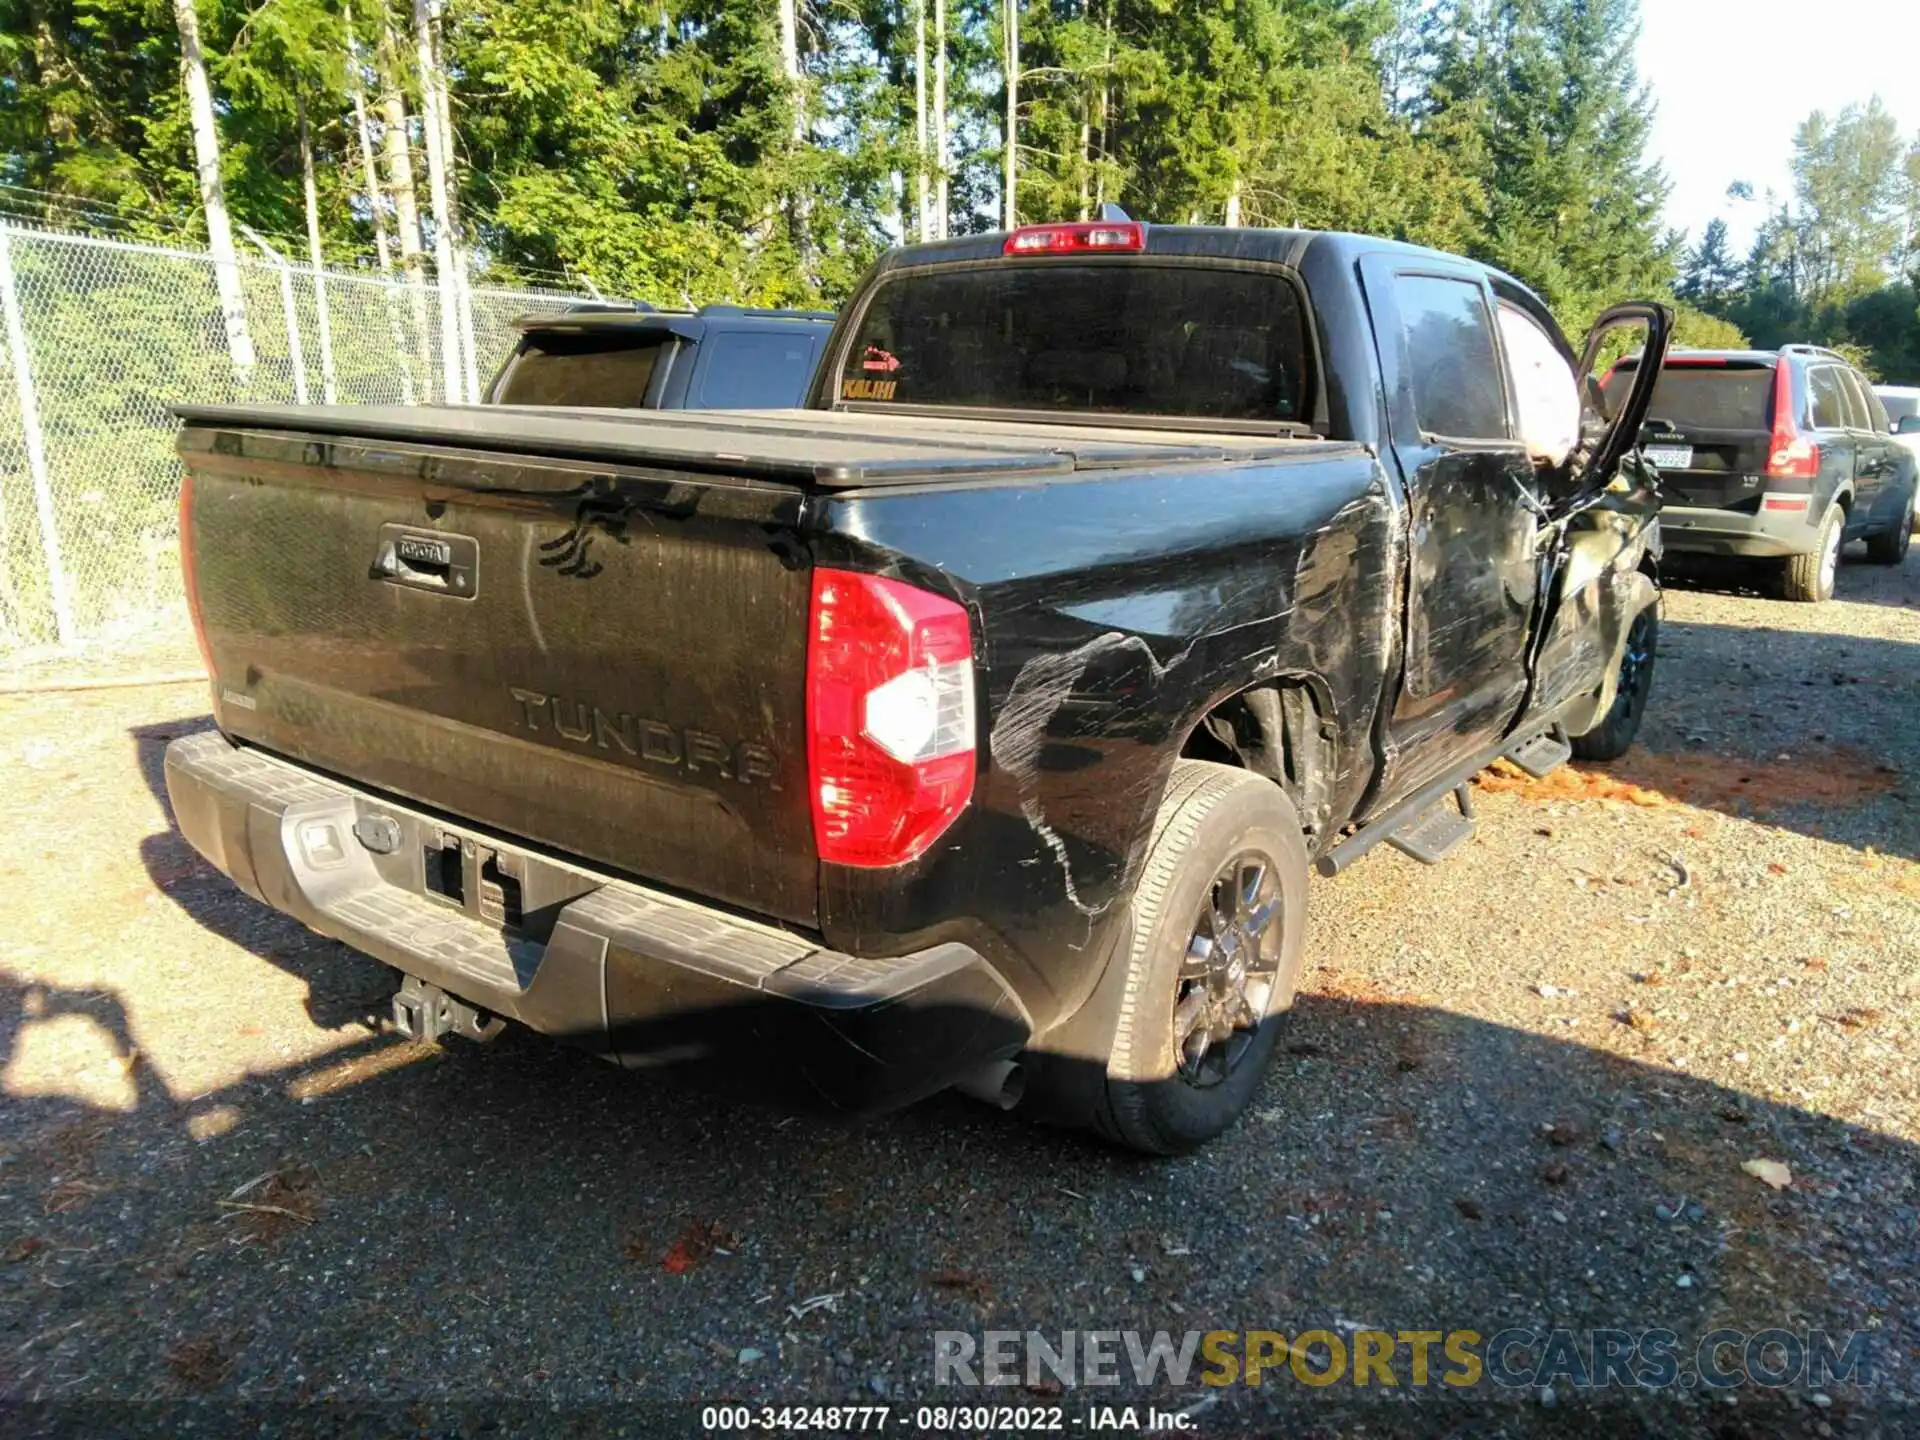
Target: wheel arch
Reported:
point(1282, 727)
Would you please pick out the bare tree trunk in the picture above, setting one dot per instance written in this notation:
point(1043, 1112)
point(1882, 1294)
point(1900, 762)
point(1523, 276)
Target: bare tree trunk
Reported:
point(356, 88)
point(312, 195)
point(213, 194)
point(800, 203)
point(925, 231)
point(440, 184)
point(940, 118)
point(400, 184)
point(393, 106)
point(1233, 205)
point(1009, 187)
point(463, 292)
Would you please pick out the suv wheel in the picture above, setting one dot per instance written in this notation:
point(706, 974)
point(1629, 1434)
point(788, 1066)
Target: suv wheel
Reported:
point(1889, 547)
point(1613, 736)
point(1219, 919)
point(1810, 576)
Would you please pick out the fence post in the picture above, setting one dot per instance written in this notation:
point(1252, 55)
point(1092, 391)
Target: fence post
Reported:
point(36, 444)
point(296, 351)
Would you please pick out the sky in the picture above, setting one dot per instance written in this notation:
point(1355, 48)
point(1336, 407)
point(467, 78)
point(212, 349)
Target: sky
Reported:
point(1733, 78)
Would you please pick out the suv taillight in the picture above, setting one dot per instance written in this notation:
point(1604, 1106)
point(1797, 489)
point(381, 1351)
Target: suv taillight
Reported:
point(890, 717)
point(189, 579)
point(1790, 455)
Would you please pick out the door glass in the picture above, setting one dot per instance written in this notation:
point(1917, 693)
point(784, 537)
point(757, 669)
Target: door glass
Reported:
point(1860, 413)
point(1453, 366)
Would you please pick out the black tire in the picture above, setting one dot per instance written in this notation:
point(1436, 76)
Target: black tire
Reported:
point(1614, 735)
point(1213, 820)
point(1889, 547)
point(1809, 577)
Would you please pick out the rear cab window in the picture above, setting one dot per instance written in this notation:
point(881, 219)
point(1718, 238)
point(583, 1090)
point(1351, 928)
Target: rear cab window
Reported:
point(1453, 364)
point(1097, 336)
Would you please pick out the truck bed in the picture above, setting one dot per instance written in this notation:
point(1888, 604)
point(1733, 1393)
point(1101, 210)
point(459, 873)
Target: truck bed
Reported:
point(827, 449)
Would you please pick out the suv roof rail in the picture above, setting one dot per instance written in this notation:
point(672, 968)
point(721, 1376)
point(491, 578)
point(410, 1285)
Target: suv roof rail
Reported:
point(1798, 349)
point(758, 312)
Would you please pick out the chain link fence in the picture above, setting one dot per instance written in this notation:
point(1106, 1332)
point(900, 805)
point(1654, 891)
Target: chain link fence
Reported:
point(101, 336)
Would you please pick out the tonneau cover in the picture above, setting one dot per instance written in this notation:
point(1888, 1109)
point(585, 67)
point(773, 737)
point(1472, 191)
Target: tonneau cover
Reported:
point(826, 448)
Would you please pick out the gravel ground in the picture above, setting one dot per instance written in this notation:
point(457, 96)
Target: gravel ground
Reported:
point(1518, 1090)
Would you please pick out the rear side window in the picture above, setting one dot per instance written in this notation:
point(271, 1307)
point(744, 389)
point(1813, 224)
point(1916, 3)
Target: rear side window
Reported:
point(1829, 400)
point(1703, 397)
point(757, 369)
point(1860, 401)
point(1455, 369)
point(599, 369)
point(1877, 417)
point(1097, 337)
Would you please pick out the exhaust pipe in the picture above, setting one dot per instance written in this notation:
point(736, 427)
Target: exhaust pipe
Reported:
point(1000, 1084)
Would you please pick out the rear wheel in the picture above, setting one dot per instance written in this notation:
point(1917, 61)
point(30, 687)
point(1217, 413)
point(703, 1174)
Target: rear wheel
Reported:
point(1890, 546)
point(1219, 918)
point(1613, 736)
point(1810, 577)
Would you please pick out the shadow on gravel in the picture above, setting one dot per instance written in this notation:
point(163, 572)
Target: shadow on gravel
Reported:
point(456, 1229)
point(1859, 582)
point(1814, 733)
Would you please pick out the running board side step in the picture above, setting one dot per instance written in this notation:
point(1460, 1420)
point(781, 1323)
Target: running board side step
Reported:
point(1437, 831)
point(1423, 826)
point(1544, 753)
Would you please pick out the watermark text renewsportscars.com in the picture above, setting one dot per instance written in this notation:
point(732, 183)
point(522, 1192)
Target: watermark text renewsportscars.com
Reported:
point(1513, 1358)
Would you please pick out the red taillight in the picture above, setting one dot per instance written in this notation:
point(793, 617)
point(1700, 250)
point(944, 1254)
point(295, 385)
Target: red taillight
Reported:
point(189, 579)
point(1790, 455)
point(890, 718)
point(1077, 238)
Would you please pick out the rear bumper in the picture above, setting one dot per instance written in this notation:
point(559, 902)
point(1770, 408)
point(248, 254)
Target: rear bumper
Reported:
point(638, 975)
point(1769, 534)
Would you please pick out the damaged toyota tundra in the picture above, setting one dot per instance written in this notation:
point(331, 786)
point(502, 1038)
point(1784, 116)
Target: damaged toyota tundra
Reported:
point(978, 726)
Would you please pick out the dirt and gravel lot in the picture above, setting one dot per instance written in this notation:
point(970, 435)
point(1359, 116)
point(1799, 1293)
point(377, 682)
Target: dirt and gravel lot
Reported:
point(1518, 1091)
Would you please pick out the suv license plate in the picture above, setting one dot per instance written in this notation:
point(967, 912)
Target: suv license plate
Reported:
point(1668, 457)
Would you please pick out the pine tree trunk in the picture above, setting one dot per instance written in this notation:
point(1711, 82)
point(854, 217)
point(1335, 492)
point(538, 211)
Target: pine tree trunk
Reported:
point(941, 186)
point(312, 195)
point(925, 231)
point(1009, 187)
point(440, 185)
point(406, 205)
point(400, 185)
point(213, 194)
point(463, 291)
point(800, 204)
point(363, 129)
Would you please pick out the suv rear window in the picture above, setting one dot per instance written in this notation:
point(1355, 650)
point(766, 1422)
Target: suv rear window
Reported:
point(595, 369)
point(1899, 406)
point(1101, 337)
point(1703, 397)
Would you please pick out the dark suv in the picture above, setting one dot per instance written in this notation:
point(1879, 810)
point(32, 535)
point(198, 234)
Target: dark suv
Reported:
point(1777, 455)
point(722, 357)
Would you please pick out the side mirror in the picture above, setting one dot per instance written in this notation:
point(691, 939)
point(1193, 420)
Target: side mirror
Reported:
point(1909, 425)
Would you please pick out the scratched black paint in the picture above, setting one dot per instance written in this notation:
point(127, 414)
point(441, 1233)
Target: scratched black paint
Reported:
point(657, 568)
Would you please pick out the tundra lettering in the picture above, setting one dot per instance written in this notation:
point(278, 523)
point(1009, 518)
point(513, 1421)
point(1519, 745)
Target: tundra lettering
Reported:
point(651, 740)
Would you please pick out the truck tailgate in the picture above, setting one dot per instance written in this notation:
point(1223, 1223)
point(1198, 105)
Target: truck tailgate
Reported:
point(607, 660)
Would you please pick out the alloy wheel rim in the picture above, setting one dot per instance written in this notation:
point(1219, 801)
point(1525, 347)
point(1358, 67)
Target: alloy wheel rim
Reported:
point(1636, 665)
point(1227, 975)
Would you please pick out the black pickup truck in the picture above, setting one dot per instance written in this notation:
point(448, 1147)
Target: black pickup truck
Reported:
point(979, 725)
